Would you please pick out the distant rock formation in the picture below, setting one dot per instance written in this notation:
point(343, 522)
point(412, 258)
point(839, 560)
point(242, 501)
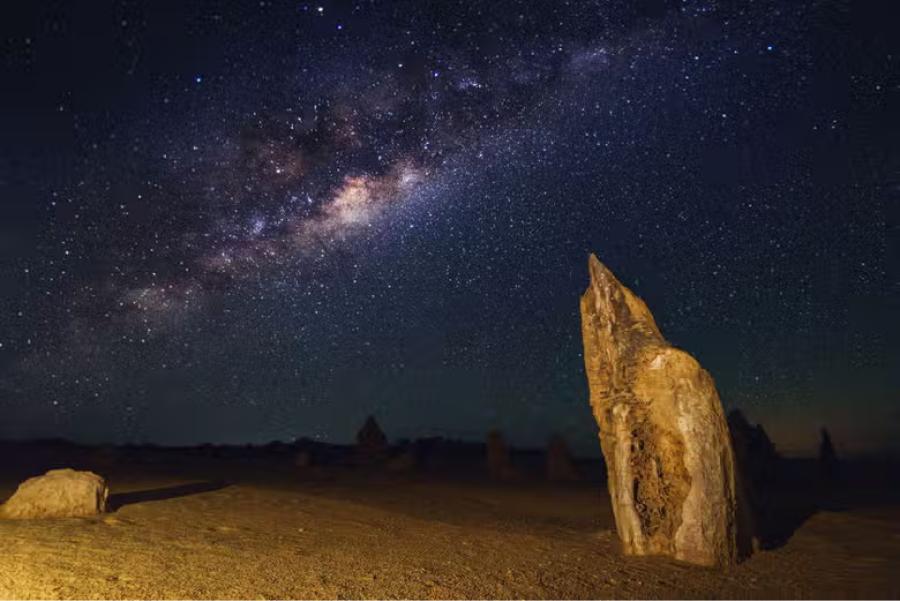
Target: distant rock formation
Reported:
point(559, 462)
point(371, 443)
point(403, 462)
point(668, 452)
point(303, 459)
point(828, 459)
point(498, 464)
point(105, 457)
point(757, 462)
point(60, 493)
point(753, 449)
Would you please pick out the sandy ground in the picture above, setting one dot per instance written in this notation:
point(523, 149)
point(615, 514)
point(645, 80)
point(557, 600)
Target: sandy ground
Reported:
point(360, 535)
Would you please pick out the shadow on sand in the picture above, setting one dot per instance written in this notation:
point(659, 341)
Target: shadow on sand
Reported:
point(119, 500)
point(806, 487)
point(779, 523)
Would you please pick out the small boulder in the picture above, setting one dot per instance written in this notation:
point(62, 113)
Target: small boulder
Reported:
point(58, 494)
point(559, 462)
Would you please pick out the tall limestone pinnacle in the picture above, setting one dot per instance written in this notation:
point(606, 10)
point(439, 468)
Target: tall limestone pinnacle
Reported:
point(672, 476)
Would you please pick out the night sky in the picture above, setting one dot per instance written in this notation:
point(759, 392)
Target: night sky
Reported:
point(246, 221)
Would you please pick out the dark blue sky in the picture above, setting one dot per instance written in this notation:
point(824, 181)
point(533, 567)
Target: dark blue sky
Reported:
point(237, 222)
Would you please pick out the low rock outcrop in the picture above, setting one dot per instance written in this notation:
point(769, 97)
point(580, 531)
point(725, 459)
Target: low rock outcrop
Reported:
point(58, 494)
point(671, 470)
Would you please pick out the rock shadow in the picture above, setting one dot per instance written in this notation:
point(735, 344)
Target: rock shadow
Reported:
point(778, 525)
point(119, 500)
point(805, 488)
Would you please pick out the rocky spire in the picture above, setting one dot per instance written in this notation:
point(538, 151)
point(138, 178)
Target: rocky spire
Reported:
point(668, 452)
point(371, 443)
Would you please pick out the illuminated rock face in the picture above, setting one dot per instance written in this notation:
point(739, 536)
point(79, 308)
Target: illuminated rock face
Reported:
point(58, 494)
point(671, 470)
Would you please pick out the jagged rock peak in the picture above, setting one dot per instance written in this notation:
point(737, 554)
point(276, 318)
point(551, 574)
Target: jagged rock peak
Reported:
point(671, 469)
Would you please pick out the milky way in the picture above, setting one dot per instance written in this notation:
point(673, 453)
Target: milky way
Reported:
point(267, 221)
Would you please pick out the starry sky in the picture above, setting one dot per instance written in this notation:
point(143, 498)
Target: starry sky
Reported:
point(246, 221)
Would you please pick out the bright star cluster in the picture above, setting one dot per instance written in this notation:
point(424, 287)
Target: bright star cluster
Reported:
point(236, 222)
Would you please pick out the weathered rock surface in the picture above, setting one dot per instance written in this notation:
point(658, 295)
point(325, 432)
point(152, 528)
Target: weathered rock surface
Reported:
point(672, 478)
point(58, 494)
point(559, 461)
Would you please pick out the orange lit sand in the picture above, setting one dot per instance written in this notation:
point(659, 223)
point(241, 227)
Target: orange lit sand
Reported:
point(348, 534)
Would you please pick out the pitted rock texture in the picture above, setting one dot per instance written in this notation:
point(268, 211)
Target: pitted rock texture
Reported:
point(58, 494)
point(671, 469)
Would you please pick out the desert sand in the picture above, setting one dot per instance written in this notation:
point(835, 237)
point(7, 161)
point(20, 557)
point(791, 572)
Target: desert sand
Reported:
point(190, 527)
